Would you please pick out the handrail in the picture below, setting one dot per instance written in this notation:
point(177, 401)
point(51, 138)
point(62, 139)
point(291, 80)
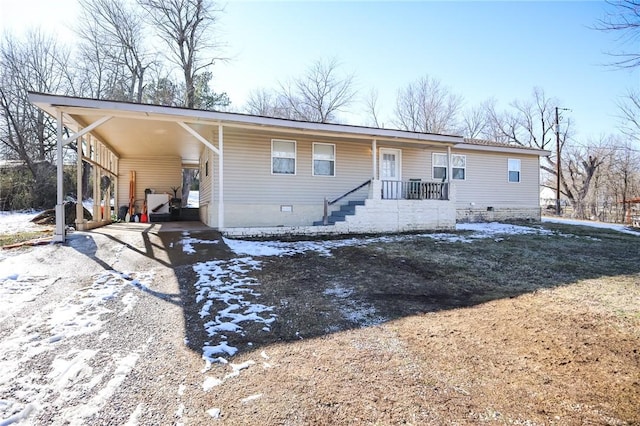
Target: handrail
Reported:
point(350, 192)
point(327, 203)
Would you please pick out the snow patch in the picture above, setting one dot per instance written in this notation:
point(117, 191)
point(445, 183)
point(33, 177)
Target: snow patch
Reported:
point(188, 243)
point(251, 398)
point(134, 418)
point(226, 286)
point(214, 412)
point(602, 225)
point(70, 375)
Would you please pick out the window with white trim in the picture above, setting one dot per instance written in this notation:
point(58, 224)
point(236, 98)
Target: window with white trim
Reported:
point(514, 170)
point(458, 166)
point(283, 157)
point(324, 159)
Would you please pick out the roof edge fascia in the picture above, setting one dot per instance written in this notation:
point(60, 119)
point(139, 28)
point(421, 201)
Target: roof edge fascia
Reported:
point(43, 100)
point(509, 149)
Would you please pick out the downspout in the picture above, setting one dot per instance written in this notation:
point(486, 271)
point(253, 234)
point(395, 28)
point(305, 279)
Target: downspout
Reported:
point(59, 235)
point(220, 177)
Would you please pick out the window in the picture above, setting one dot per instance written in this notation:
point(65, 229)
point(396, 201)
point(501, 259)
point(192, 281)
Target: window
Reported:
point(324, 159)
point(283, 157)
point(514, 170)
point(458, 166)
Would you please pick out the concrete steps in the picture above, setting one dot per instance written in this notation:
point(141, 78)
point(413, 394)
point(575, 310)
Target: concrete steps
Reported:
point(348, 209)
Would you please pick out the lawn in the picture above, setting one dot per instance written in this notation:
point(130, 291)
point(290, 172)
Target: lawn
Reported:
point(526, 324)
point(540, 327)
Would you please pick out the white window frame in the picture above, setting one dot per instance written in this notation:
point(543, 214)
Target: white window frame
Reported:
point(446, 166)
point(433, 165)
point(313, 159)
point(509, 170)
point(295, 160)
point(453, 175)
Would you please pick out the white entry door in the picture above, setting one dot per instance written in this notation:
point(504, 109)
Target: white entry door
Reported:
point(390, 173)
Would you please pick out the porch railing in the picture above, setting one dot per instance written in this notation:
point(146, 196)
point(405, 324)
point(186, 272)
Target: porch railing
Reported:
point(414, 190)
point(327, 203)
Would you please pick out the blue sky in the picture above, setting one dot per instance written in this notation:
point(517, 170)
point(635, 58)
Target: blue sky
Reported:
point(479, 49)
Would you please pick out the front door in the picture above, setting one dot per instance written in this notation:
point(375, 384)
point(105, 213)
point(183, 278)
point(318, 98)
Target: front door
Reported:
point(390, 173)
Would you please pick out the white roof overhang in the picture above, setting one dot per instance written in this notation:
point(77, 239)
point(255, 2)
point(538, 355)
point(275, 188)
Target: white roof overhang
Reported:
point(142, 130)
point(513, 149)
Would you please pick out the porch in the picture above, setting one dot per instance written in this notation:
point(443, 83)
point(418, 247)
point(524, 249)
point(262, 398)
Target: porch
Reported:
point(413, 190)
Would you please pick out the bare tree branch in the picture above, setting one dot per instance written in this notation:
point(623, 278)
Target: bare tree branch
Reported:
point(187, 28)
point(426, 105)
point(624, 19)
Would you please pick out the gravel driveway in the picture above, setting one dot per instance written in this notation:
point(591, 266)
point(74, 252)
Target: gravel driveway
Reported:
point(95, 329)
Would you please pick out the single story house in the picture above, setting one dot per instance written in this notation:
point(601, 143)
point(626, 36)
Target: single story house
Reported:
point(269, 176)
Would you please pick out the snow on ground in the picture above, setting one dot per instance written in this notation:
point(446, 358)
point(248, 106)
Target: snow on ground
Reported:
point(82, 312)
point(603, 225)
point(13, 222)
point(188, 242)
point(226, 286)
point(227, 295)
point(324, 248)
point(194, 199)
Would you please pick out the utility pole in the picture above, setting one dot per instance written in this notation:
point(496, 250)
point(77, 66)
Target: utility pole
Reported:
point(558, 168)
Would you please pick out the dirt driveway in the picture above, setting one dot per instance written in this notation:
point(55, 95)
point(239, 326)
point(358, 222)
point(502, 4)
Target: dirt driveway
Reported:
point(133, 325)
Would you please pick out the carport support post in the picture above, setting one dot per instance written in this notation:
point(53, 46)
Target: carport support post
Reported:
point(449, 164)
point(374, 158)
point(220, 177)
point(79, 206)
point(59, 235)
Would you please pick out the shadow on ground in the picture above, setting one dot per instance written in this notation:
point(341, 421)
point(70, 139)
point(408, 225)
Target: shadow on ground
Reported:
point(312, 294)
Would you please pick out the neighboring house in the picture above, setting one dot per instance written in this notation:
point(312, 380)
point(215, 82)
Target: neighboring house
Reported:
point(261, 175)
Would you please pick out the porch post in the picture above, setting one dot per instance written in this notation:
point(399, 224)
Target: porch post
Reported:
point(59, 235)
point(79, 207)
point(374, 158)
point(449, 164)
point(220, 177)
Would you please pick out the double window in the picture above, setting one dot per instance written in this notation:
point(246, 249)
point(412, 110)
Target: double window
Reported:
point(283, 157)
point(458, 166)
point(324, 159)
point(514, 170)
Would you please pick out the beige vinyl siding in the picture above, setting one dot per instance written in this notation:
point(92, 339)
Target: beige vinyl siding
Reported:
point(159, 174)
point(254, 196)
point(415, 164)
point(248, 178)
point(487, 181)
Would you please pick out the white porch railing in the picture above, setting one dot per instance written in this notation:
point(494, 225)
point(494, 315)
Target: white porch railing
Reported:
point(414, 190)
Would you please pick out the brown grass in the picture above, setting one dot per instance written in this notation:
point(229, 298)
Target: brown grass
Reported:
point(525, 330)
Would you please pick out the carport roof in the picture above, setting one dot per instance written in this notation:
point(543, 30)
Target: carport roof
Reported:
point(141, 130)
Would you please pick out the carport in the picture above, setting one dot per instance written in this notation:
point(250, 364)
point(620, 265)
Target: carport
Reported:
point(115, 137)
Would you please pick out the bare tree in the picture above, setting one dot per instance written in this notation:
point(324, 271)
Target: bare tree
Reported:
point(113, 34)
point(629, 108)
point(186, 27)
point(528, 123)
point(428, 106)
point(579, 173)
point(624, 19)
point(266, 103)
point(35, 63)
point(475, 123)
point(623, 181)
point(319, 95)
point(371, 106)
